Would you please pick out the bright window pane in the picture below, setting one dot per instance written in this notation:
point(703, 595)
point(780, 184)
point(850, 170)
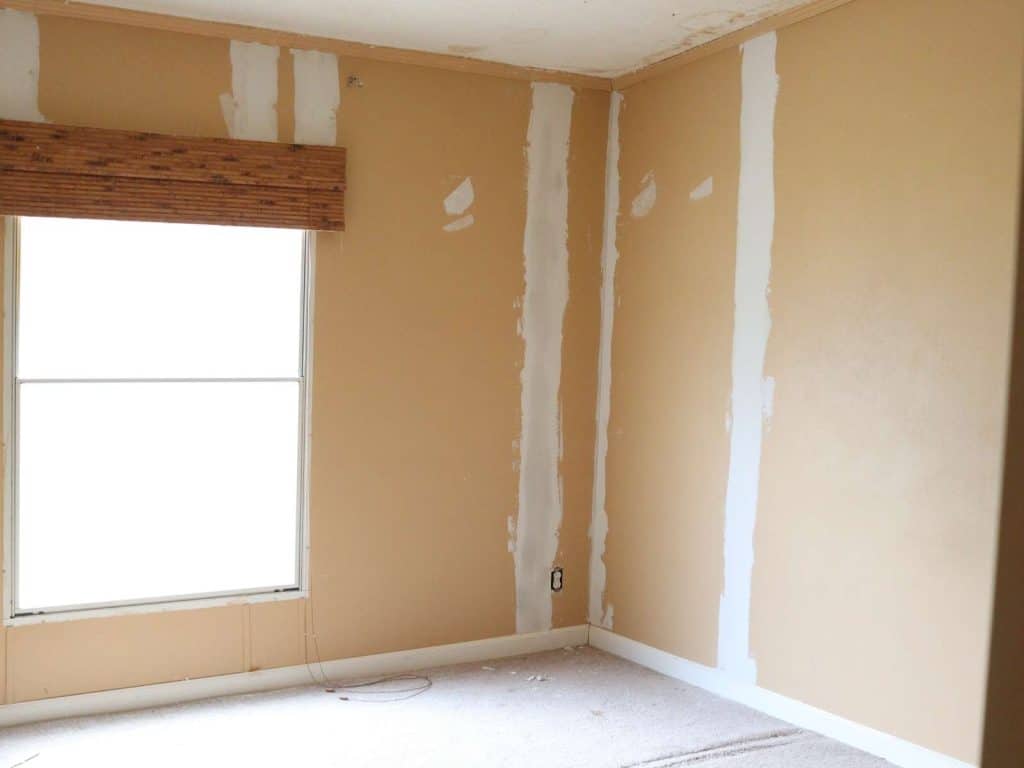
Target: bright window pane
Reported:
point(112, 299)
point(152, 490)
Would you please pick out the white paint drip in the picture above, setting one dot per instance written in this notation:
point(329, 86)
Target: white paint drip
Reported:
point(250, 110)
point(599, 614)
point(461, 223)
point(19, 63)
point(546, 257)
point(752, 324)
point(704, 189)
point(645, 199)
point(460, 198)
point(317, 97)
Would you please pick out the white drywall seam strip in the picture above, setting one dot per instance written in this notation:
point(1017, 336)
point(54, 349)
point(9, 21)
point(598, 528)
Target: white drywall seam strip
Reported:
point(898, 751)
point(250, 110)
point(19, 63)
point(546, 257)
point(161, 694)
point(317, 97)
point(751, 326)
point(597, 613)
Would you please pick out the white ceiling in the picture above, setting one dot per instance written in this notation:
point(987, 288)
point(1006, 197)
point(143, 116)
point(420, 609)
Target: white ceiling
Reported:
point(596, 37)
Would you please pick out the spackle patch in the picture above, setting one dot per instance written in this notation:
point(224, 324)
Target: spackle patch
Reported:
point(463, 222)
point(598, 614)
point(460, 198)
point(546, 266)
point(250, 110)
point(317, 97)
point(751, 327)
point(19, 65)
point(646, 197)
point(704, 189)
point(458, 202)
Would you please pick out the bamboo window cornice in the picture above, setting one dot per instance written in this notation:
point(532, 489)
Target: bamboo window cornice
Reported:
point(56, 170)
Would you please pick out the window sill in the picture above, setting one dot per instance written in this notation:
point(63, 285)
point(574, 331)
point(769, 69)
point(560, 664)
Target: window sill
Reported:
point(164, 607)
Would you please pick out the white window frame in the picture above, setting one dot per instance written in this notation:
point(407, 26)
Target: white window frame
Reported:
point(300, 591)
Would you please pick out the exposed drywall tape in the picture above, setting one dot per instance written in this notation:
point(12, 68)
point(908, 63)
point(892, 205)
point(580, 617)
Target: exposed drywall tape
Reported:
point(250, 110)
point(897, 751)
point(598, 614)
point(704, 189)
point(317, 97)
point(645, 199)
point(546, 257)
point(19, 63)
point(460, 198)
point(751, 326)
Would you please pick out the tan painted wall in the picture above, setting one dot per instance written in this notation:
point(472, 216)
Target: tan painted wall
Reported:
point(416, 390)
point(896, 146)
point(668, 450)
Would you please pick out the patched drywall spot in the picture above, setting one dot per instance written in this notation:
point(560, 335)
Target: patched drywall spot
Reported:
point(646, 197)
point(457, 203)
point(250, 110)
point(704, 189)
point(463, 222)
point(599, 614)
point(546, 261)
point(751, 326)
point(19, 65)
point(317, 97)
point(460, 198)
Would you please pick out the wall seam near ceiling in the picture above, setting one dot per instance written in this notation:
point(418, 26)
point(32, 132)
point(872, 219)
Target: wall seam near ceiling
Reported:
point(347, 48)
point(149, 20)
point(731, 40)
point(19, 56)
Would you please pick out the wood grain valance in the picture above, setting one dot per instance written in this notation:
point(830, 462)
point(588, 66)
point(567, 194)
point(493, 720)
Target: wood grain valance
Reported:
point(55, 170)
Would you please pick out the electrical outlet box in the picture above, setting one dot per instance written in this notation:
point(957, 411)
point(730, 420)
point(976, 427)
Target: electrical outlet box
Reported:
point(556, 579)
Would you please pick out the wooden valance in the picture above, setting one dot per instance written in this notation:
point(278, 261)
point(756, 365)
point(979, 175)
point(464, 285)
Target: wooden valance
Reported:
point(56, 170)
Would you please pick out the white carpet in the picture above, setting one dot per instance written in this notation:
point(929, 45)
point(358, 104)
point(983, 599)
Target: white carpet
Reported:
point(581, 708)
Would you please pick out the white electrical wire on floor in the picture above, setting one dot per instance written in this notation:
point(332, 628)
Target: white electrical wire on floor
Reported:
point(353, 691)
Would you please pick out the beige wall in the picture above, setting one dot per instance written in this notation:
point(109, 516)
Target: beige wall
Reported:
point(896, 145)
point(896, 149)
point(416, 390)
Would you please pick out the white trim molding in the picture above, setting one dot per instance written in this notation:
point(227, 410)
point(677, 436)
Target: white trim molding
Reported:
point(162, 694)
point(897, 751)
point(14, 615)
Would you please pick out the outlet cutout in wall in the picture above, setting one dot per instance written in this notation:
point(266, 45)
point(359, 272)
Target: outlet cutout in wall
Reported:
point(556, 579)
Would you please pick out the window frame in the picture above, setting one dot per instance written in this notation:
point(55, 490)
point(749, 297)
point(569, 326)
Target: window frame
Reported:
point(11, 616)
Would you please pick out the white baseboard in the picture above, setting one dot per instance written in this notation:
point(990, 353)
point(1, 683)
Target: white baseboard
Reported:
point(142, 697)
point(897, 751)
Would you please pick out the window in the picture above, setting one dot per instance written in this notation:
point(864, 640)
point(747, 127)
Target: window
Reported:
point(158, 407)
